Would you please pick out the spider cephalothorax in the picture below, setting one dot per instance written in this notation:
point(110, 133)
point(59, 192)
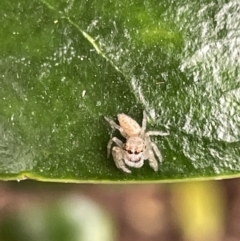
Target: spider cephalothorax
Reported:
point(138, 146)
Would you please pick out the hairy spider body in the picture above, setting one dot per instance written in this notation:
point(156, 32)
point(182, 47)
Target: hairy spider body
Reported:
point(130, 126)
point(138, 146)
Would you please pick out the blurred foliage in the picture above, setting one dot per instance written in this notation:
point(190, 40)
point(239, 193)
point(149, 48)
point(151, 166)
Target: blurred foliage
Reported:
point(184, 211)
point(72, 218)
point(199, 209)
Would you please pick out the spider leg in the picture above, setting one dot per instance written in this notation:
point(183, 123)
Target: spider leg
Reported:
point(157, 152)
point(157, 133)
point(152, 160)
point(117, 141)
point(144, 122)
point(118, 157)
point(115, 126)
point(153, 145)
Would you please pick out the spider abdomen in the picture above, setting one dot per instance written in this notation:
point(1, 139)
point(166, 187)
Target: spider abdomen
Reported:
point(130, 126)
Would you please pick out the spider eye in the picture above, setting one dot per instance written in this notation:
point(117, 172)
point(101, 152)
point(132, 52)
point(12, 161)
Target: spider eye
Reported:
point(135, 152)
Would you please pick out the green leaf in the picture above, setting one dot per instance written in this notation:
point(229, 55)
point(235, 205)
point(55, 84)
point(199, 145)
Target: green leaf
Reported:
point(64, 65)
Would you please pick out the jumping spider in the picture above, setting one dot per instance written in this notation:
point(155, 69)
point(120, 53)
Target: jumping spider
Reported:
point(138, 146)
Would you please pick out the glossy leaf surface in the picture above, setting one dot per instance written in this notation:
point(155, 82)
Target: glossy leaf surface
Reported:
point(64, 65)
